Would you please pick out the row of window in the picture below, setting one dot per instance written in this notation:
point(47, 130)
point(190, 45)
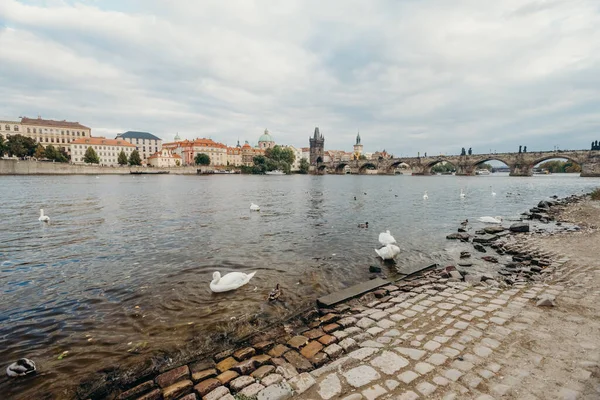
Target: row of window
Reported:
point(29, 130)
point(137, 141)
point(84, 146)
point(103, 162)
point(7, 128)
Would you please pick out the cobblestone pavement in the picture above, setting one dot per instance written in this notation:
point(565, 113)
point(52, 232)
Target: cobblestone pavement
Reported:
point(436, 339)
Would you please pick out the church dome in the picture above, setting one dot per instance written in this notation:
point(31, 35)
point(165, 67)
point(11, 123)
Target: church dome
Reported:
point(266, 137)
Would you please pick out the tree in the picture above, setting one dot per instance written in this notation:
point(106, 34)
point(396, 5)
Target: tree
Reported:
point(91, 157)
point(40, 152)
point(485, 166)
point(2, 146)
point(21, 146)
point(122, 160)
point(134, 158)
point(278, 157)
point(362, 157)
point(50, 152)
point(304, 166)
point(202, 159)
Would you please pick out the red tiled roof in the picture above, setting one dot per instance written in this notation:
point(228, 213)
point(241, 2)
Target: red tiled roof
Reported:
point(50, 122)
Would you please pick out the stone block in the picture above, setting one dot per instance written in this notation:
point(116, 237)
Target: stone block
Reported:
point(191, 396)
point(287, 370)
point(136, 391)
point(330, 387)
point(271, 379)
point(328, 339)
point(297, 342)
point(177, 389)
point(217, 393)
point(311, 349)
point(252, 390)
point(278, 391)
point(170, 377)
point(223, 355)
point(226, 364)
point(365, 323)
point(279, 350)
point(244, 354)
point(361, 376)
point(245, 367)
point(319, 359)
point(374, 392)
point(347, 321)
point(264, 345)
point(426, 388)
point(205, 374)
point(314, 333)
point(408, 376)
point(263, 371)
point(261, 359)
point(329, 328)
point(329, 318)
point(301, 383)
point(227, 376)
point(300, 363)
point(333, 350)
point(239, 383)
point(389, 363)
point(156, 394)
point(415, 354)
point(207, 386)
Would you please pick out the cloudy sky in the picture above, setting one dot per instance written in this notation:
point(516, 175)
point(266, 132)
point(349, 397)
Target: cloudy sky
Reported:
point(410, 75)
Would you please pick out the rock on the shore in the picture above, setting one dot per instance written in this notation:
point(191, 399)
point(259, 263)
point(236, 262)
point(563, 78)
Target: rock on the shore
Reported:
point(494, 229)
point(519, 227)
point(479, 247)
point(459, 236)
point(546, 300)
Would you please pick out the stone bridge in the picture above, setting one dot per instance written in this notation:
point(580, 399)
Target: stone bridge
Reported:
point(520, 164)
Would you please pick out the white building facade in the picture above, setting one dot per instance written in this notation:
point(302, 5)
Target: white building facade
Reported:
point(108, 150)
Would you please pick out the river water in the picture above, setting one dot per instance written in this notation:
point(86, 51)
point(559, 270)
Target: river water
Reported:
point(122, 271)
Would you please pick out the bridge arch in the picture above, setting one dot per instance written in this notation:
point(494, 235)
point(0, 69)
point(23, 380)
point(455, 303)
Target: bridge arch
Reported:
point(339, 169)
point(395, 165)
point(555, 157)
point(322, 169)
point(491, 158)
point(432, 164)
point(365, 166)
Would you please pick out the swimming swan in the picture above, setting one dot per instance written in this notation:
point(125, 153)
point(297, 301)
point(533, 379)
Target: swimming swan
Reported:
point(388, 252)
point(21, 367)
point(385, 238)
point(490, 220)
point(254, 207)
point(425, 196)
point(462, 194)
point(493, 193)
point(230, 281)
point(43, 217)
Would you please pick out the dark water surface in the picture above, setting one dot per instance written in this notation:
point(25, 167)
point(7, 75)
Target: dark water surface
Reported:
point(122, 270)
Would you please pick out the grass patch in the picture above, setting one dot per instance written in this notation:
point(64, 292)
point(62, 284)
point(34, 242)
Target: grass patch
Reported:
point(596, 194)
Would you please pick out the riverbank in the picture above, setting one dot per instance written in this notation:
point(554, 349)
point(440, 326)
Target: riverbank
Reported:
point(439, 336)
point(31, 167)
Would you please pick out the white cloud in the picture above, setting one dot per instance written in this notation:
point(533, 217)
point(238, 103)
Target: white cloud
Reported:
point(411, 76)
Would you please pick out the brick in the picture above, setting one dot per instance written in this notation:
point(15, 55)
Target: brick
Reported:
point(244, 354)
point(328, 339)
point(202, 375)
point(227, 377)
point(331, 328)
point(278, 350)
point(216, 394)
point(265, 345)
point(261, 359)
point(319, 359)
point(223, 355)
point(300, 363)
point(334, 350)
point(207, 386)
point(311, 349)
point(252, 390)
point(271, 379)
point(241, 382)
point(245, 367)
point(136, 391)
point(301, 383)
point(170, 377)
point(156, 394)
point(263, 371)
point(313, 334)
point(177, 389)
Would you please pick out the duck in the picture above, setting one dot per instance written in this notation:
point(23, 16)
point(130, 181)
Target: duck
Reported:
point(275, 293)
point(388, 252)
point(465, 222)
point(425, 196)
point(386, 238)
point(43, 217)
point(462, 194)
point(490, 220)
point(254, 207)
point(365, 225)
point(230, 281)
point(21, 367)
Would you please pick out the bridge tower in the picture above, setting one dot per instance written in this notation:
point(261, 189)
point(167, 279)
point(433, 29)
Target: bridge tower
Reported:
point(317, 147)
point(358, 148)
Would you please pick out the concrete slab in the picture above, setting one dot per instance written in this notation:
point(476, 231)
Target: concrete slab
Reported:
point(351, 292)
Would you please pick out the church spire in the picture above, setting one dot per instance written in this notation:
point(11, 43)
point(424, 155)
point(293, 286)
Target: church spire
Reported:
point(358, 138)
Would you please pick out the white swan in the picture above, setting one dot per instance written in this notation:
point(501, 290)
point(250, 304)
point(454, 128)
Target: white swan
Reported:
point(493, 193)
point(490, 220)
point(462, 194)
point(230, 281)
point(425, 196)
point(254, 207)
point(43, 217)
point(385, 238)
point(388, 252)
point(21, 367)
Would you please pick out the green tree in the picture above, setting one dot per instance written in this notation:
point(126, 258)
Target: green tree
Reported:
point(91, 157)
point(134, 158)
point(50, 152)
point(278, 157)
point(122, 160)
point(485, 166)
point(40, 152)
point(304, 166)
point(202, 159)
point(362, 157)
point(2, 146)
point(21, 146)
point(62, 156)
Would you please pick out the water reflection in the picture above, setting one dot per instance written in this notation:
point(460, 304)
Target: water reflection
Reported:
point(121, 272)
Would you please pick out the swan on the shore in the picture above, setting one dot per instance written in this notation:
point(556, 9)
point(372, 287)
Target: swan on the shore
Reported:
point(388, 252)
point(386, 238)
point(462, 194)
point(230, 281)
point(425, 196)
point(254, 207)
point(43, 217)
point(21, 367)
point(490, 220)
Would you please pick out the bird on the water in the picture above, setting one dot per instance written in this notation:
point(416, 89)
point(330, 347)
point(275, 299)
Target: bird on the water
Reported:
point(43, 218)
point(230, 281)
point(275, 293)
point(21, 367)
point(365, 225)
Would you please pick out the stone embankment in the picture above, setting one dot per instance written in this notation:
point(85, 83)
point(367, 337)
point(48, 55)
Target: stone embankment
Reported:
point(531, 333)
point(30, 167)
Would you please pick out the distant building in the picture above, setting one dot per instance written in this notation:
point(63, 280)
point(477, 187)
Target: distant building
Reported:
point(46, 131)
point(317, 147)
point(108, 150)
point(266, 141)
point(358, 147)
point(145, 143)
point(234, 155)
point(381, 155)
point(164, 159)
point(297, 157)
point(188, 150)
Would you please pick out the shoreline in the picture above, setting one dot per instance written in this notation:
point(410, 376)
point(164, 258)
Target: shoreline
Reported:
point(257, 351)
